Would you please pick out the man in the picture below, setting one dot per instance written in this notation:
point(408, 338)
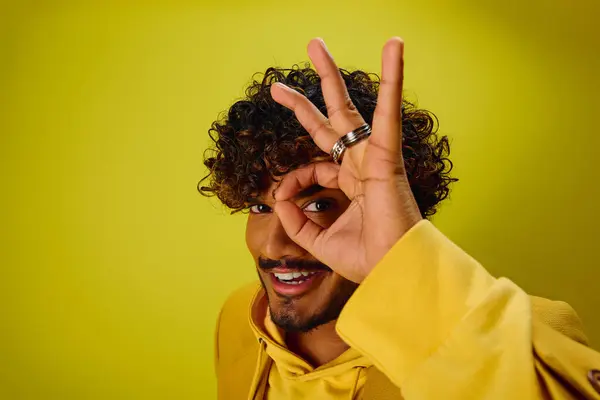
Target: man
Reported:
point(360, 296)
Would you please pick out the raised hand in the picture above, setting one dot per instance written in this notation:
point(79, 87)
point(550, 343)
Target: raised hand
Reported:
point(371, 174)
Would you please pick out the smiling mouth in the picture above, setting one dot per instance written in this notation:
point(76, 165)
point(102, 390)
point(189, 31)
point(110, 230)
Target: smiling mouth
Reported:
point(294, 283)
point(294, 278)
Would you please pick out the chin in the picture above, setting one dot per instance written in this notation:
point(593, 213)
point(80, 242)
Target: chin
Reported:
point(309, 304)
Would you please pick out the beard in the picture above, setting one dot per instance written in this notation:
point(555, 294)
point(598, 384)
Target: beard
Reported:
point(287, 316)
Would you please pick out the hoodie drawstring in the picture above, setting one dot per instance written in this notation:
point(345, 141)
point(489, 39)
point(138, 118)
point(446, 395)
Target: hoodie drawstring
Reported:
point(263, 364)
point(355, 385)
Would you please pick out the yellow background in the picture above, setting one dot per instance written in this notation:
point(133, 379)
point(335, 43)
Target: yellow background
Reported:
point(113, 267)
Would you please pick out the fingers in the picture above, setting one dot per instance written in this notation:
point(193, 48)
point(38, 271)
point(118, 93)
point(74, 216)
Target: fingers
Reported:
point(307, 114)
point(387, 121)
point(342, 115)
point(297, 225)
point(341, 112)
point(321, 173)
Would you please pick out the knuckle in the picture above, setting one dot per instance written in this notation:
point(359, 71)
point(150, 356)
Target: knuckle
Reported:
point(331, 110)
point(318, 130)
point(380, 113)
point(346, 107)
point(390, 82)
point(349, 104)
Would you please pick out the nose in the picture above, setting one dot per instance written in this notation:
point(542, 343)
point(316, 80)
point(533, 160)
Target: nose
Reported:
point(277, 243)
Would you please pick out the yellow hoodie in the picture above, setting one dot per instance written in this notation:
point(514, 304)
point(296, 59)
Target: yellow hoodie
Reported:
point(434, 323)
point(287, 376)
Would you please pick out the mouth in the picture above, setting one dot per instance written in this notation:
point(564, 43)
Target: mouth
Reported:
point(294, 283)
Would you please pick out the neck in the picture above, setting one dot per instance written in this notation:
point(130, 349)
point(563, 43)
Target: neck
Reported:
point(319, 346)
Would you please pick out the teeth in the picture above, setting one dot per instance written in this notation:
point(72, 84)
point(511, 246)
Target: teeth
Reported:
point(284, 277)
point(288, 276)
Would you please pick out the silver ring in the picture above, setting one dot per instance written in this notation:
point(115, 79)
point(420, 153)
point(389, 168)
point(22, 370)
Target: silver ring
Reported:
point(348, 140)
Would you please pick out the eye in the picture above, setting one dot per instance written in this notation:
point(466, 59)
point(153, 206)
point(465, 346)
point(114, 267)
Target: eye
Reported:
point(259, 209)
point(319, 205)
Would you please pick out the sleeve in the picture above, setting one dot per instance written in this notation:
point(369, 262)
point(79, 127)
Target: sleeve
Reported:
point(438, 325)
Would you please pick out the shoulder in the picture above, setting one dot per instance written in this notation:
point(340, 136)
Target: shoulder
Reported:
point(233, 334)
point(236, 347)
point(559, 316)
point(235, 309)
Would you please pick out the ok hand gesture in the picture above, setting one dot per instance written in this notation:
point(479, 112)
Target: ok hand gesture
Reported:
point(372, 173)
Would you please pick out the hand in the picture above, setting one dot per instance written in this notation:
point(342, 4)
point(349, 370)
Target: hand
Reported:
point(372, 173)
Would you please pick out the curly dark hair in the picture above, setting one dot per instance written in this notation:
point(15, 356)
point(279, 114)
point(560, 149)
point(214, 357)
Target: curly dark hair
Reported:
point(258, 140)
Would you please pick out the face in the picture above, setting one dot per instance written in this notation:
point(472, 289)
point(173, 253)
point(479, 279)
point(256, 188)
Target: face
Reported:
point(302, 292)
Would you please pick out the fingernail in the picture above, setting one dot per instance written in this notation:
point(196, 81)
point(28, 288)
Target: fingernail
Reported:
point(325, 46)
point(283, 86)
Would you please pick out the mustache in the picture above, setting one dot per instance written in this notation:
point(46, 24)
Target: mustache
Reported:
point(267, 264)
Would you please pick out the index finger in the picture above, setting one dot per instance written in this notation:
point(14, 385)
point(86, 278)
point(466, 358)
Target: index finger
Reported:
point(320, 173)
point(297, 225)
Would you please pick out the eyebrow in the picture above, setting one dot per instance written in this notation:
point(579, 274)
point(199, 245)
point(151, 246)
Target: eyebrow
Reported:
point(307, 192)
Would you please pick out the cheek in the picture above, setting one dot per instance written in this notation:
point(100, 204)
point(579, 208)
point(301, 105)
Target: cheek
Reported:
point(253, 238)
